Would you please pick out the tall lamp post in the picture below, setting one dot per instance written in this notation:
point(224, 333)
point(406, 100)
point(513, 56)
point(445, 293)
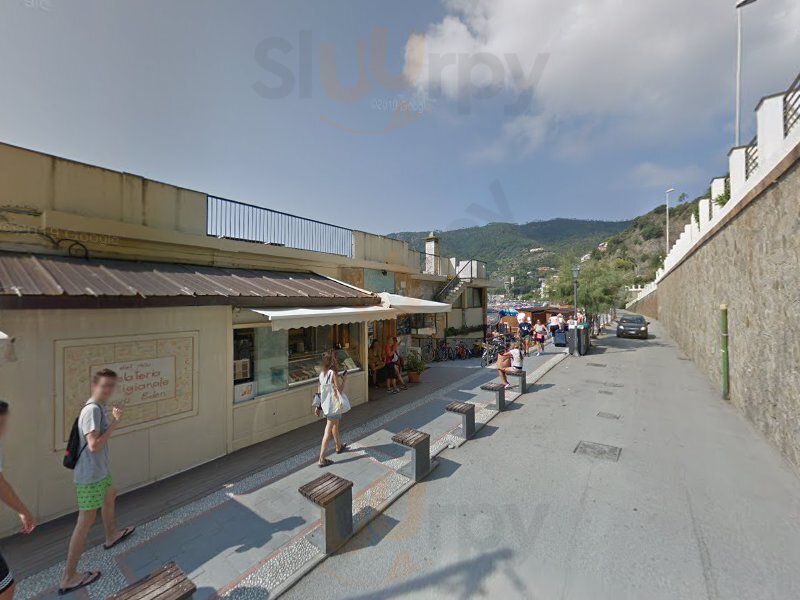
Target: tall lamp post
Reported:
point(576, 270)
point(666, 194)
point(739, 6)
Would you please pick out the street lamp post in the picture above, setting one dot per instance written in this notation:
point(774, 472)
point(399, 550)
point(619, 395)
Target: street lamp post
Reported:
point(739, 6)
point(666, 194)
point(576, 270)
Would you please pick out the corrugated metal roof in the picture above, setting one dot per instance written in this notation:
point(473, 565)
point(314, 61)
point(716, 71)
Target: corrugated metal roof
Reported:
point(28, 275)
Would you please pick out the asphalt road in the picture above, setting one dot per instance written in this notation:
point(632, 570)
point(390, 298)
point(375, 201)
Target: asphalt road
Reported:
point(697, 506)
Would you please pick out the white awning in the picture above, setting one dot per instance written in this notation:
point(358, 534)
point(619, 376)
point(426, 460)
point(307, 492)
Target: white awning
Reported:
point(291, 318)
point(413, 306)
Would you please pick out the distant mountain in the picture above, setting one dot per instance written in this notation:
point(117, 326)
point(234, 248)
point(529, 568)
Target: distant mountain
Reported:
point(506, 247)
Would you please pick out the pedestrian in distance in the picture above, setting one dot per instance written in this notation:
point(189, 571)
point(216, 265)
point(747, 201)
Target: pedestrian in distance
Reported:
point(553, 321)
point(539, 336)
point(398, 363)
point(9, 497)
point(376, 362)
point(332, 402)
point(92, 477)
point(562, 324)
point(509, 361)
point(525, 331)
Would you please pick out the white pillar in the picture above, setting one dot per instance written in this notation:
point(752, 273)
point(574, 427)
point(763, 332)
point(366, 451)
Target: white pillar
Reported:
point(736, 162)
point(769, 117)
point(705, 215)
point(718, 187)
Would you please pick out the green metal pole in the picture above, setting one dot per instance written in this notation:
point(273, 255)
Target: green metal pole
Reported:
point(723, 311)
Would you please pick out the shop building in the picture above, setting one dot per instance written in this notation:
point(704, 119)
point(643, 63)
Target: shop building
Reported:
point(213, 312)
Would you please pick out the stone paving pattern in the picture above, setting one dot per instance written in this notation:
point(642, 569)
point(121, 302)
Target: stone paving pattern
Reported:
point(255, 533)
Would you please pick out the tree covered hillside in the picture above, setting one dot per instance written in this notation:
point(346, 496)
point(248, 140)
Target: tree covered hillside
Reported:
point(506, 247)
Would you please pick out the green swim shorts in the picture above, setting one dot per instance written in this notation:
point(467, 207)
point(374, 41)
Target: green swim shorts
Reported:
point(92, 495)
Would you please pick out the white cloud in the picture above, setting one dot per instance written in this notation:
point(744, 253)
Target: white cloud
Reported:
point(638, 70)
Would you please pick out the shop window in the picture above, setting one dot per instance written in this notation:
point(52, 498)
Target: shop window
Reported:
point(260, 362)
point(307, 344)
point(266, 361)
point(474, 297)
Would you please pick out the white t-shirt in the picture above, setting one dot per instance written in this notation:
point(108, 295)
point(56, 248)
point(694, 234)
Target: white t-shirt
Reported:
point(516, 357)
point(554, 321)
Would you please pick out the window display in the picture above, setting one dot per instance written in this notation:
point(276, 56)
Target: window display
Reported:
point(266, 361)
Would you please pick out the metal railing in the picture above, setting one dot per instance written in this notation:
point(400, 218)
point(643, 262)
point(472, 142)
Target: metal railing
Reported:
point(751, 158)
point(460, 276)
point(791, 107)
point(245, 222)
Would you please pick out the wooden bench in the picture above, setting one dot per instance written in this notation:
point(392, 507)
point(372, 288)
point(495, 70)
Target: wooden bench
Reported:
point(499, 390)
point(523, 379)
point(420, 444)
point(334, 496)
point(167, 583)
point(467, 412)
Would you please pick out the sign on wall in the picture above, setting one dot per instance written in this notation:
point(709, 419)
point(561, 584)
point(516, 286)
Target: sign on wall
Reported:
point(156, 376)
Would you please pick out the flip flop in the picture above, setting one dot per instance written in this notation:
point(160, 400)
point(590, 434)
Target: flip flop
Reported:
point(125, 533)
point(326, 463)
point(344, 448)
point(88, 579)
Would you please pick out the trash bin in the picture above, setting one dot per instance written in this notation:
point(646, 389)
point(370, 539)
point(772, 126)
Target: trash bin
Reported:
point(560, 338)
point(572, 341)
point(583, 339)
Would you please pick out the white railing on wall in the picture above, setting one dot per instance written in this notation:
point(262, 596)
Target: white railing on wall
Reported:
point(749, 165)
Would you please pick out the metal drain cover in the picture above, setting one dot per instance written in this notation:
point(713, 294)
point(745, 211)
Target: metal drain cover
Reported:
point(600, 451)
point(607, 415)
point(588, 364)
point(606, 392)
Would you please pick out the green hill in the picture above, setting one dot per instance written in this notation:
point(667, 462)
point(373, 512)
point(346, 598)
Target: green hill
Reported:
point(506, 247)
point(635, 246)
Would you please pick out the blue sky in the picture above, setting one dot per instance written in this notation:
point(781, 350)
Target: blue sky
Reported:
point(634, 96)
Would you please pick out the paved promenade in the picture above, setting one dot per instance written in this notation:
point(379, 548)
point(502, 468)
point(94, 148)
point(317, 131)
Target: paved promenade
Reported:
point(697, 505)
point(249, 536)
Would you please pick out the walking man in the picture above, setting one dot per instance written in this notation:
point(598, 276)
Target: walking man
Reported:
point(93, 480)
point(9, 498)
point(525, 330)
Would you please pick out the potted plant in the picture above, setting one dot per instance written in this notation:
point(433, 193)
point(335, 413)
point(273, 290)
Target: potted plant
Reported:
point(415, 366)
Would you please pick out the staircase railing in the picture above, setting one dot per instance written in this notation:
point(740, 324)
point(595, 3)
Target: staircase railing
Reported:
point(452, 283)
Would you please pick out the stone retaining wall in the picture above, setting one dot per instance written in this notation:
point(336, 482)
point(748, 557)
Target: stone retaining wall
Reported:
point(752, 264)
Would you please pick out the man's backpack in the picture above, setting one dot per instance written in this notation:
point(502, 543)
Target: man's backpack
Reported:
point(74, 448)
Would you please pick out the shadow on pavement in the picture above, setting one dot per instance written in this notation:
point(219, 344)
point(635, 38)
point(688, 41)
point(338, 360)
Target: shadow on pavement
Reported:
point(445, 469)
point(461, 580)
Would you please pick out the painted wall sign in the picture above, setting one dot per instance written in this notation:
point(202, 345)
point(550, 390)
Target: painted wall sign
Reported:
point(140, 381)
point(156, 376)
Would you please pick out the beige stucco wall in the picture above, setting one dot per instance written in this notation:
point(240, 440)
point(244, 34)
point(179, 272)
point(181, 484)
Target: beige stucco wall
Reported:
point(35, 180)
point(751, 264)
point(146, 454)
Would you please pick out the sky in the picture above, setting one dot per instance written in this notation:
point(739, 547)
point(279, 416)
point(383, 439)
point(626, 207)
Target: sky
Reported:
point(419, 115)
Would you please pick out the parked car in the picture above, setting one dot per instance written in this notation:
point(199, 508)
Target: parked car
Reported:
point(633, 326)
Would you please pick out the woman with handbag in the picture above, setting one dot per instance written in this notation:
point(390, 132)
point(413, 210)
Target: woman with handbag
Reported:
point(333, 403)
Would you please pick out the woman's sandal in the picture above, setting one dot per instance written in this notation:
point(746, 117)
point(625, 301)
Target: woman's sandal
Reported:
point(88, 579)
point(343, 448)
point(325, 463)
